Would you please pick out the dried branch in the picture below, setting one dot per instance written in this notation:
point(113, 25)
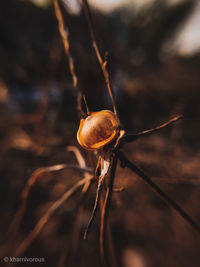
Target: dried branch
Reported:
point(132, 137)
point(69, 251)
point(66, 256)
point(79, 157)
point(64, 34)
point(103, 165)
point(127, 163)
point(38, 174)
point(105, 211)
point(65, 39)
point(45, 218)
point(98, 193)
point(77, 226)
point(103, 63)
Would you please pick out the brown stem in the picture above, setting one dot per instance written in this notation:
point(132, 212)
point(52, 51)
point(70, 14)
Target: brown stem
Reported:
point(102, 63)
point(76, 229)
point(132, 137)
point(46, 217)
point(64, 34)
point(65, 39)
point(127, 163)
point(105, 211)
point(92, 217)
point(37, 175)
point(69, 250)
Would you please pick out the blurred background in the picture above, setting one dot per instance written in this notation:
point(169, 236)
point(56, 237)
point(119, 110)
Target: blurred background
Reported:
point(154, 63)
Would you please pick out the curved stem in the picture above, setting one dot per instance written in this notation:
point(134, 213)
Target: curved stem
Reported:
point(46, 217)
point(132, 137)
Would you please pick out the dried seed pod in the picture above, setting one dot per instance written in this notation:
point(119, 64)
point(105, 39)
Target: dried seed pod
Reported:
point(98, 129)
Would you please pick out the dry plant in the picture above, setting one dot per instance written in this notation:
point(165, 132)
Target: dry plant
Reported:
point(101, 134)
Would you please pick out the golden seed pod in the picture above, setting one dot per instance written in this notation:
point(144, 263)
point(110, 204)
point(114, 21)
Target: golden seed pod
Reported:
point(98, 129)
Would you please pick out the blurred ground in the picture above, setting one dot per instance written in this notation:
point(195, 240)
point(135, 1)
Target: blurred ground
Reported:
point(153, 81)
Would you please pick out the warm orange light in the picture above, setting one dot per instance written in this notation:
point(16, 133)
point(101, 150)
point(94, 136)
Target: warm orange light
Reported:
point(98, 129)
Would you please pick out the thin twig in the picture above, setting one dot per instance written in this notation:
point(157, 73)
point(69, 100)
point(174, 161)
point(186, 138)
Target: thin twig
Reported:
point(102, 169)
point(102, 63)
point(104, 213)
point(86, 106)
point(70, 247)
point(65, 38)
point(65, 34)
point(77, 230)
point(38, 174)
point(92, 217)
point(66, 256)
point(118, 189)
point(45, 218)
point(132, 137)
point(79, 157)
point(127, 163)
